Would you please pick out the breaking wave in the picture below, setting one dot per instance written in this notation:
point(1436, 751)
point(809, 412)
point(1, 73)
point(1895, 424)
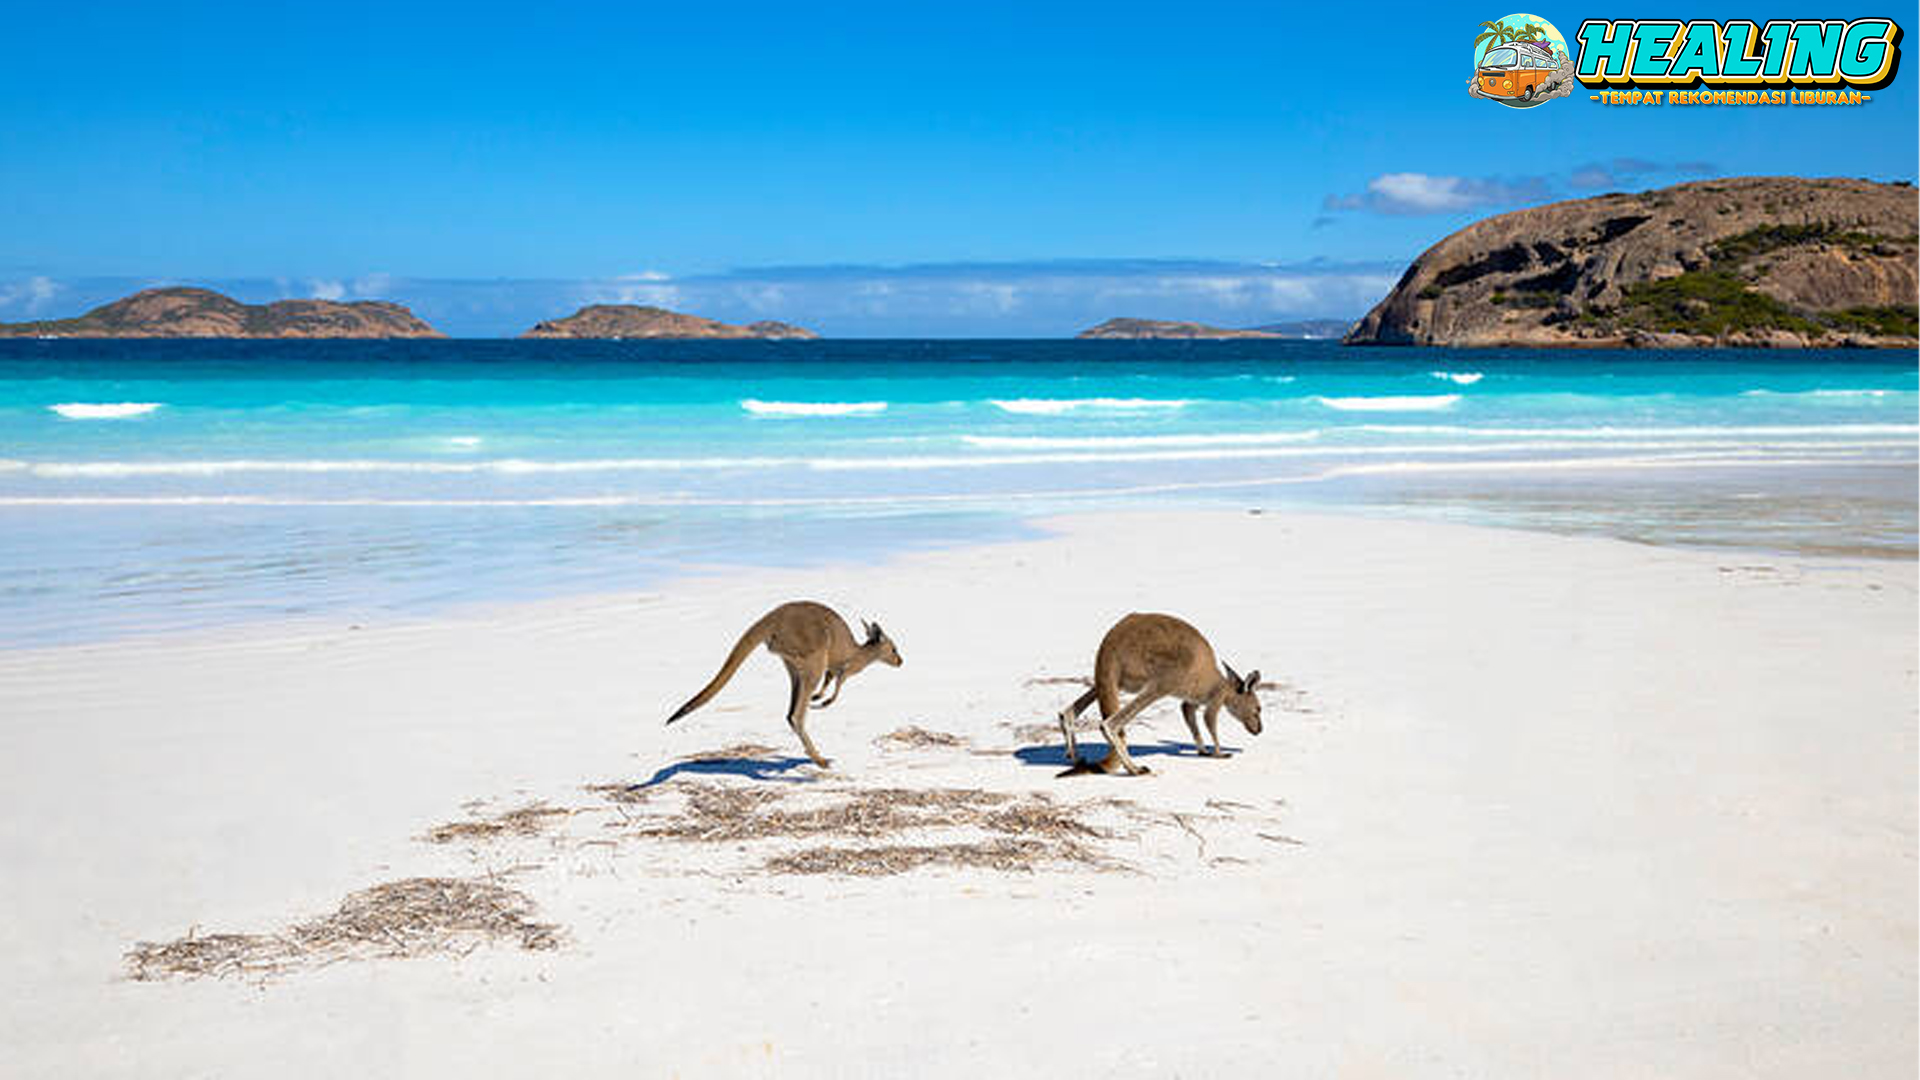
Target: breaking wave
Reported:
point(1122, 442)
point(104, 410)
point(1056, 406)
point(813, 408)
point(1392, 403)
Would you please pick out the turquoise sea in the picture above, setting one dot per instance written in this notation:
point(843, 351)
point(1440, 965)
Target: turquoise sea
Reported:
point(148, 486)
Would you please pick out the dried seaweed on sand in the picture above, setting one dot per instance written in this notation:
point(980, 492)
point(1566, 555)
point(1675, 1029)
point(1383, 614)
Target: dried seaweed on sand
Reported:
point(918, 737)
point(716, 812)
point(1025, 831)
point(408, 918)
point(529, 820)
point(1001, 854)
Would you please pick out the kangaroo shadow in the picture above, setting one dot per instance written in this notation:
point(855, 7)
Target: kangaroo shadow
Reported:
point(1054, 755)
point(753, 768)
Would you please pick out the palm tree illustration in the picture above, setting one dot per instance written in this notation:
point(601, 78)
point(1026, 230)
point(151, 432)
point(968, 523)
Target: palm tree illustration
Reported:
point(1496, 34)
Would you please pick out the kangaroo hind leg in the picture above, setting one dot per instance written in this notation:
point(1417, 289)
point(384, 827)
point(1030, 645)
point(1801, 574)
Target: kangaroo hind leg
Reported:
point(822, 699)
point(1067, 716)
point(1115, 729)
point(805, 678)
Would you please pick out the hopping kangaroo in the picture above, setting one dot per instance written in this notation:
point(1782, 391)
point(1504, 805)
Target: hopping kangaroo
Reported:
point(817, 648)
point(1159, 656)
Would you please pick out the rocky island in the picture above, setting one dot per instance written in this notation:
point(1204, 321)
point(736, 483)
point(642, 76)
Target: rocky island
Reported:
point(1755, 261)
point(1130, 329)
point(617, 321)
point(203, 313)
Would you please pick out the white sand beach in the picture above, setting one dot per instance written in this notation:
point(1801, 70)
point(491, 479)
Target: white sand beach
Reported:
point(1525, 805)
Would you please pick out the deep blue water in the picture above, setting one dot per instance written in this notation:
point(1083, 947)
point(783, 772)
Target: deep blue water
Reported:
point(149, 485)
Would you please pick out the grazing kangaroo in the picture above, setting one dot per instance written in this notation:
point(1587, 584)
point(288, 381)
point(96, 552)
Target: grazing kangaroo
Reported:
point(818, 650)
point(1159, 656)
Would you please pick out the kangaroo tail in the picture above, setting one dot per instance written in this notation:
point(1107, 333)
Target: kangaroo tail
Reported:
point(755, 634)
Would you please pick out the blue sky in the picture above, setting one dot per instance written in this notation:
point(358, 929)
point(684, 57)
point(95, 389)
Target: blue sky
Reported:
point(1239, 161)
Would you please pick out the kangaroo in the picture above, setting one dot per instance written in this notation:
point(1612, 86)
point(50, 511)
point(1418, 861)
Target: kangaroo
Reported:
point(1159, 656)
point(818, 650)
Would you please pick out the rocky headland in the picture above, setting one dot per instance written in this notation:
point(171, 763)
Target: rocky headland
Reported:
point(1756, 261)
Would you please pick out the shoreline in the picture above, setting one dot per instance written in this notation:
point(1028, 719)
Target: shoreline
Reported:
point(1544, 803)
point(1015, 526)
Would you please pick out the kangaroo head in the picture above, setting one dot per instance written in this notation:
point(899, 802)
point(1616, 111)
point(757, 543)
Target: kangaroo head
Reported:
point(880, 645)
point(1241, 698)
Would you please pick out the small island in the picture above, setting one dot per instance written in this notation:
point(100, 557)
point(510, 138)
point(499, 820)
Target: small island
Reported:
point(1137, 329)
point(202, 313)
point(1775, 262)
point(620, 321)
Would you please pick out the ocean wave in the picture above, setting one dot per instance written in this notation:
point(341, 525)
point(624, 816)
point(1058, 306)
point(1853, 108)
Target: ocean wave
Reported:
point(1056, 406)
point(1121, 442)
point(1745, 458)
point(1610, 432)
point(1458, 378)
point(1054, 455)
point(1820, 393)
point(1737, 460)
point(1399, 403)
point(812, 408)
point(104, 410)
point(509, 466)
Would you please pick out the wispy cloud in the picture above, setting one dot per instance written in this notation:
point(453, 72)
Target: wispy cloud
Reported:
point(1415, 194)
point(30, 296)
point(1626, 172)
point(1412, 194)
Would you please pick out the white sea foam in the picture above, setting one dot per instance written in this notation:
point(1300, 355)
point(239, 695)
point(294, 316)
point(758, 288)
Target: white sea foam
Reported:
point(1122, 442)
point(1056, 406)
point(1068, 454)
point(1458, 378)
point(813, 408)
point(1819, 393)
point(464, 442)
point(508, 466)
point(104, 410)
point(1610, 432)
point(1744, 458)
point(1399, 403)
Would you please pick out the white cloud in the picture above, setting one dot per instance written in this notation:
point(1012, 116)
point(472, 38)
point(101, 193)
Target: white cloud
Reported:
point(1422, 193)
point(620, 291)
point(1413, 194)
point(30, 295)
point(762, 299)
point(327, 290)
point(992, 297)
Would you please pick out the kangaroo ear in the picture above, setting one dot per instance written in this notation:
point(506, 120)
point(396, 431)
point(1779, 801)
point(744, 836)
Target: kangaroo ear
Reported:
point(1231, 674)
point(868, 629)
point(1252, 682)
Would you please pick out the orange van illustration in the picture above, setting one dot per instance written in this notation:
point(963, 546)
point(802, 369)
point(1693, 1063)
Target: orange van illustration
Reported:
point(1519, 69)
point(1520, 61)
